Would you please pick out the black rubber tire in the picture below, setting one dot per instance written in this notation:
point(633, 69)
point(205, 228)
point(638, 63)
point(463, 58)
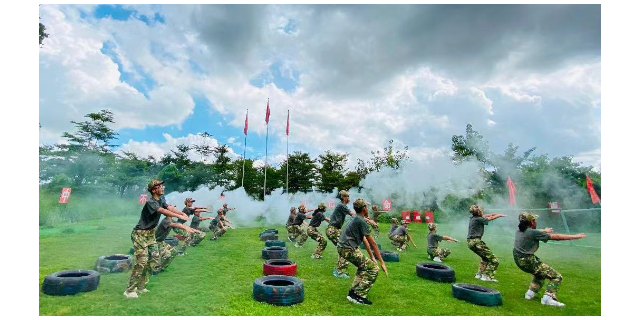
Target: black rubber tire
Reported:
point(171, 241)
point(275, 243)
point(278, 290)
point(271, 231)
point(477, 294)
point(435, 272)
point(389, 256)
point(275, 253)
point(114, 263)
point(68, 282)
point(268, 236)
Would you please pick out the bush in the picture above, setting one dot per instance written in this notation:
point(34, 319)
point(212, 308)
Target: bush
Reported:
point(386, 217)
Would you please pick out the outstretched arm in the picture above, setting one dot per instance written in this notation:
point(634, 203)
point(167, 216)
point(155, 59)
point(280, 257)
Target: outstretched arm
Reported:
point(449, 239)
point(173, 214)
point(494, 216)
point(561, 237)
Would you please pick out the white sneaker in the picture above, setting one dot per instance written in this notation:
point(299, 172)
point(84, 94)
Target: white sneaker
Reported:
point(478, 276)
point(529, 295)
point(142, 291)
point(132, 294)
point(399, 249)
point(548, 300)
point(298, 245)
point(437, 259)
point(489, 279)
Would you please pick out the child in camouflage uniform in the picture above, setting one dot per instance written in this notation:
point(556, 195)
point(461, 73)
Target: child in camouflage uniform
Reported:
point(376, 212)
point(195, 224)
point(167, 252)
point(400, 237)
point(227, 222)
point(316, 219)
point(289, 225)
point(526, 244)
point(147, 256)
point(356, 232)
point(189, 238)
point(435, 253)
point(217, 225)
point(297, 229)
point(489, 262)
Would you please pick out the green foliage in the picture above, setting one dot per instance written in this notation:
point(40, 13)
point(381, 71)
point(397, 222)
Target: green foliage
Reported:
point(388, 158)
point(302, 172)
point(472, 145)
point(42, 34)
point(331, 171)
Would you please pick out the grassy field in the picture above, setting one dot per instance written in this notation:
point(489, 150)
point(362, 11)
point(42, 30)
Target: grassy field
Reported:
point(216, 278)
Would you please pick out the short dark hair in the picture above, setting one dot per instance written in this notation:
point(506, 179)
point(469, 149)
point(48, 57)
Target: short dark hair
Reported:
point(359, 209)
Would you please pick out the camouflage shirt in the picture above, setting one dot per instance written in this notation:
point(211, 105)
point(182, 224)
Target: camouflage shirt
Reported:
point(527, 242)
point(150, 216)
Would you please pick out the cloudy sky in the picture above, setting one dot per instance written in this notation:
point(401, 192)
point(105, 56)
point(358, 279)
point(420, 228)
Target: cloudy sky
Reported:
point(353, 77)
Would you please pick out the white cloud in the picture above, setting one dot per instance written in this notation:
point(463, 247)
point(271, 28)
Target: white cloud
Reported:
point(158, 150)
point(354, 106)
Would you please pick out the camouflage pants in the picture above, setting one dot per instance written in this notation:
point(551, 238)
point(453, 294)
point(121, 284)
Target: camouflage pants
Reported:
point(437, 252)
point(367, 270)
point(333, 234)
point(196, 237)
point(290, 231)
point(186, 238)
point(314, 234)
point(219, 232)
point(298, 231)
point(489, 262)
point(167, 253)
point(399, 241)
point(147, 258)
point(529, 263)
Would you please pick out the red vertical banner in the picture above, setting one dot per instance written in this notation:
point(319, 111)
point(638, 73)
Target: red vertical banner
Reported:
point(512, 191)
point(386, 205)
point(287, 122)
point(594, 196)
point(266, 118)
point(64, 195)
point(332, 204)
point(246, 123)
point(142, 199)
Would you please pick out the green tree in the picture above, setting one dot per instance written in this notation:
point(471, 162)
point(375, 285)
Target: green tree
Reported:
point(302, 172)
point(470, 146)
point(222, 168)
point(331, 171)
point(253, 180)
point(128, 171)
point(93, 134)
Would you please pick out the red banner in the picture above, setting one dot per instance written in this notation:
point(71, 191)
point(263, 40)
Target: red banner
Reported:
point(287, 122)
point(594, 196)
point(386, 205)
point(246, 123)
point(268, 113)
point(142, 199)
point(512, 191)
point(332, 204)
point(64, 195)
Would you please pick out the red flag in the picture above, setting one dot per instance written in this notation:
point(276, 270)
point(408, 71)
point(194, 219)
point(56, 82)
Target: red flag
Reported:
point(246, 123)
point(512, 191)
point(268, 112)
point(594, 196)
point(287, 122)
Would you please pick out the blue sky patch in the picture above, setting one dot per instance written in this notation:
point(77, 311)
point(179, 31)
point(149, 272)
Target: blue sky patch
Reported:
point(283, 77)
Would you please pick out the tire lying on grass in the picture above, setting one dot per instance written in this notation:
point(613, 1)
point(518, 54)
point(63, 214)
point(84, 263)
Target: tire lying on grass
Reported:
point(279, 267)
point(275, 253)
point(271, 231)
point(389, 256)
point(477, 294)
point(278, 290)
point(435, 272)
point(268, 236)
point(275, 243)
point(68, 282)
point(114, 263)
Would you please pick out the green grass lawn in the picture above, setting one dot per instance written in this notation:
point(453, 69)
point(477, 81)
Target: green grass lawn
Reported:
point(216, 278)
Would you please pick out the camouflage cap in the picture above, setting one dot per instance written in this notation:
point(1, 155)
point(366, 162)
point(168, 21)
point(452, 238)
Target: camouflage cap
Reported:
point(359, 203)
point(220, 211)
point(394, 220)
point(343, 193)
point(154, 183)
point(188, 200)
point(375, 207)
point(475, 209)
point(527, 216)
point(301, 207)
point(405, 221)
point(432, 226)
point(292, 209)
point(321, 206)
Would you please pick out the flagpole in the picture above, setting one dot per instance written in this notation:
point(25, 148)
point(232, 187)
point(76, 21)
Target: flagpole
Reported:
point(287, 152)
point(244, 154)
point(266, 153)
